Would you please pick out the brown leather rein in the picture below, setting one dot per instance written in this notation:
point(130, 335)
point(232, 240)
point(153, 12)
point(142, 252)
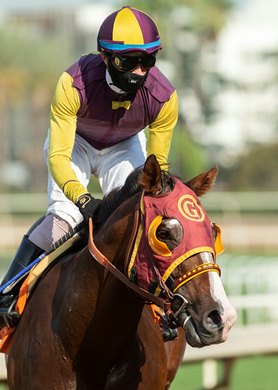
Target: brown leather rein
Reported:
point(102, 260)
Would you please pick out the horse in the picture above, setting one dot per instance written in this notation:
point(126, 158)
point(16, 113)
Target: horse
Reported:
point(89, 323)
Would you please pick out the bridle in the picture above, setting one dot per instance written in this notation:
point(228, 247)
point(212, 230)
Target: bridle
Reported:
point(177, 318)
point(102, 260)
point(194, 272)
point(165, 303)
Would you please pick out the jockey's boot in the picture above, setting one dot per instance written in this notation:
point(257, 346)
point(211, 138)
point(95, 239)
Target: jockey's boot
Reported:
point(26, 253)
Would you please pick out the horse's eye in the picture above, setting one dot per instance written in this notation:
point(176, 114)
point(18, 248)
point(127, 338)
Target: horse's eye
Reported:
point(170, 231)
point(163, 234)
point(157, 244)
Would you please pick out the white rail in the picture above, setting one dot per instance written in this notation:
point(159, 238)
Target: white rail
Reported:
point(243, 341)
point(3, 371)
point(214, 201)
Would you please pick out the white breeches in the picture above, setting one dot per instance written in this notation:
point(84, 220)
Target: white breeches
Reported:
point(110, 165)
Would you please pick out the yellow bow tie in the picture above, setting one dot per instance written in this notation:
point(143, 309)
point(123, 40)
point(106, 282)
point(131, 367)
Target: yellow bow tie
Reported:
point(125, 104)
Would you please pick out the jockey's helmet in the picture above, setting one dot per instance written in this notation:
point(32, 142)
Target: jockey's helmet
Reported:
point(128, 30)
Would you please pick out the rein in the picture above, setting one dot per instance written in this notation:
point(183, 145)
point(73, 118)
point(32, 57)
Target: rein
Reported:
point(104, 262)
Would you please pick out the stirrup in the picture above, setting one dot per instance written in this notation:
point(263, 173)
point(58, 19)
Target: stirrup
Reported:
point(9, 317)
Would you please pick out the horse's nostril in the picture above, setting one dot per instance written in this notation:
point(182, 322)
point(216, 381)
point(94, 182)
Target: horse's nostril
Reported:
point(213, 321)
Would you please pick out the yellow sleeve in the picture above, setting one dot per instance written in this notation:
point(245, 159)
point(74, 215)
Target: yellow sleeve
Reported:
point(64, 107)
point(161, 130)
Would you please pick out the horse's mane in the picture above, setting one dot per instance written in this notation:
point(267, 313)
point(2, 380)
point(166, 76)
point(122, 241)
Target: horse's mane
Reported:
point(118, 195)
point(131, 187)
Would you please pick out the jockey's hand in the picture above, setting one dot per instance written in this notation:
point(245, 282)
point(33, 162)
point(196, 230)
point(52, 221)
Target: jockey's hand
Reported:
point(88, 206)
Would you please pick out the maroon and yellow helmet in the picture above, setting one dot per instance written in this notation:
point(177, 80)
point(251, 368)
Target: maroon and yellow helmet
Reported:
point(127, 30)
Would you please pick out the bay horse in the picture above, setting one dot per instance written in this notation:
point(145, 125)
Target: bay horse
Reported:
point(83, 328)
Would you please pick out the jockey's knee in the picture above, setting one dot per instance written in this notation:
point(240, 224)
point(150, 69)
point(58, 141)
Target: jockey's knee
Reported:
point(49, 231)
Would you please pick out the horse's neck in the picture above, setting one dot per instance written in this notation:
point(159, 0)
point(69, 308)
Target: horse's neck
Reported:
point(114, 236)
point(115, 310)
point(103, 311)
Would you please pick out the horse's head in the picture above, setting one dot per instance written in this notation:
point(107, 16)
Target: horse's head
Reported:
point(174, 254)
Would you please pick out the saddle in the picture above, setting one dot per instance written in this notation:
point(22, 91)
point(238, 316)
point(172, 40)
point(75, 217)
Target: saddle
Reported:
point(29, 284)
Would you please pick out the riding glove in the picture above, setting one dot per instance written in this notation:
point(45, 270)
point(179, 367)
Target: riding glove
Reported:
point(88, 205)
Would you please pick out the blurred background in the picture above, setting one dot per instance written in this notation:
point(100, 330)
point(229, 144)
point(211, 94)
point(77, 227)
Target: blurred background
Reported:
point(222, 56)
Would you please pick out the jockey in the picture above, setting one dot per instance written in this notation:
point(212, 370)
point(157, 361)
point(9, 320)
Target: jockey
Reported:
point(100, 108)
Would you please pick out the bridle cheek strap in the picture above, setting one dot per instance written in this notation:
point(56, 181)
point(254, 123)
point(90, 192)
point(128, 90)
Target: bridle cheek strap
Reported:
point(102, 260)
point(194, 272)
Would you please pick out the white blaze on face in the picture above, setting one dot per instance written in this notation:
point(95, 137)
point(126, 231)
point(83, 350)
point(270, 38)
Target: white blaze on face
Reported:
point(217, 292)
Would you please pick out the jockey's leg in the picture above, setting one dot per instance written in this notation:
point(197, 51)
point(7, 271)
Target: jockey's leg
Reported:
point(38, 240)
point(50, 230)
point(61, 215)
point(117, 162)
point(26, 253)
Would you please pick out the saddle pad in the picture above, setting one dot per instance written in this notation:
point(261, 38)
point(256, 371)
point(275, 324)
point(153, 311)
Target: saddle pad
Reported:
point(27, 287)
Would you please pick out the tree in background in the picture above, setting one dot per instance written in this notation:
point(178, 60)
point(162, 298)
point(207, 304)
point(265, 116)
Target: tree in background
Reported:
point(30, 63)
point(188, 28)
point(187, 159)
point(255, 170)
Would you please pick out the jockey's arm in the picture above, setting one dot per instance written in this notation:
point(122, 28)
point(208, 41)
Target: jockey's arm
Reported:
point(161, 130)
point(64, 108)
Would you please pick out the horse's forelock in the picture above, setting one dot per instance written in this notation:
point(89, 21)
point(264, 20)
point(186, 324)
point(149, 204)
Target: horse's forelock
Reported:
point(167, 181)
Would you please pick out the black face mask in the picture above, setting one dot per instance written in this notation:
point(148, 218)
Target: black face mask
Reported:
point(126, 81)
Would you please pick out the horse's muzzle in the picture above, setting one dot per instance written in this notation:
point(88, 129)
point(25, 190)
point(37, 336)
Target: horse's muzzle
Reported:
point(201, 332)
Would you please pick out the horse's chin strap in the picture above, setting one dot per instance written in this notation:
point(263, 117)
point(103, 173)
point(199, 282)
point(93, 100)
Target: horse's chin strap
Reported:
point(102, 260)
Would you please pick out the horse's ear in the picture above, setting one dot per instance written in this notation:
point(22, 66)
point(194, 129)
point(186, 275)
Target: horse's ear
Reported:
point(203, 182)
point(150, 178)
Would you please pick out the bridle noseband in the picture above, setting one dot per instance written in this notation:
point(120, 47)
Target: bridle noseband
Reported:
point(194, 272)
